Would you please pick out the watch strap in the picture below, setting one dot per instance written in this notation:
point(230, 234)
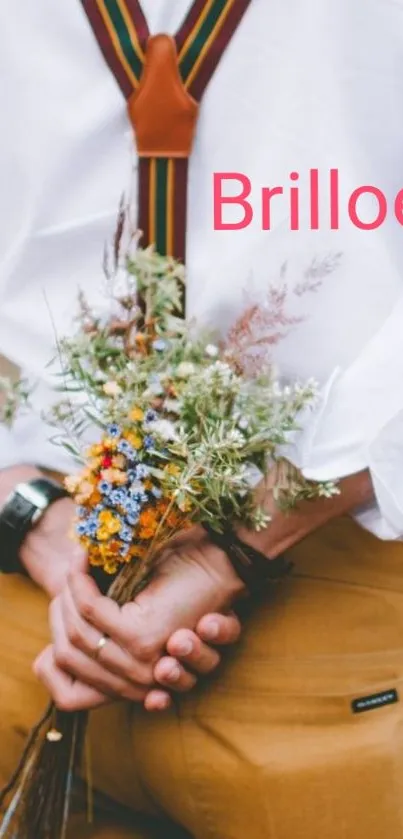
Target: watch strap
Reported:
point(20, 513)
point(253, 567)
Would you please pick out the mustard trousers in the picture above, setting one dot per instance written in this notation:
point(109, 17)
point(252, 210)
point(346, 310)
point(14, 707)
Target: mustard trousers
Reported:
point(300, 734)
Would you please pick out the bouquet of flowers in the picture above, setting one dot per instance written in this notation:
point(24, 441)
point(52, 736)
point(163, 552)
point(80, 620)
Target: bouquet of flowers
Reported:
point(170, 429)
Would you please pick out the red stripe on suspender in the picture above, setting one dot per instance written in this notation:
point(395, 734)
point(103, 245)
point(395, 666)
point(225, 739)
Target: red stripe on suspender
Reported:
point(217, 49)
point(104, 41)
point(143, 221)
point(139, 20)
point(180, 208)
point(189, 23)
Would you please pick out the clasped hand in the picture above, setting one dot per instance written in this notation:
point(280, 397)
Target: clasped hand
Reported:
point(165, 639)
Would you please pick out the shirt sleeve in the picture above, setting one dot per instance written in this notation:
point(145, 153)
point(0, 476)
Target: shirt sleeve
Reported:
point(29, 441)
point(359, 424)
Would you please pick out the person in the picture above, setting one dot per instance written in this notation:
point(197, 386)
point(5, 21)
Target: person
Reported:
point(299, 732)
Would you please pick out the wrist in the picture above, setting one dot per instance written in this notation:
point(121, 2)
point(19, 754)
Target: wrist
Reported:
point(218, 564)
point(48, 551)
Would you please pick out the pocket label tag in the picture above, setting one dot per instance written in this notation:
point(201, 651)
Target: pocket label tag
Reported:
point(376, 700)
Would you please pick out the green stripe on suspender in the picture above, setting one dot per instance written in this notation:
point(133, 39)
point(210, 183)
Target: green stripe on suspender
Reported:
point(160, 205)
point(124, 37)
point(203, 34)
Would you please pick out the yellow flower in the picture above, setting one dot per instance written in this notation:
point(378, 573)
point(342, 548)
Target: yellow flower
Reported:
point(109, 444)
point(134, 440)
point(109, 522)
point(94, 451)
point(110, 566)
point(103, 534)
point(172, 469)
point(136, 415)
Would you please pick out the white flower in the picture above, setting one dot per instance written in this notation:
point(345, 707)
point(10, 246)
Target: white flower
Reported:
point(212, 351)
point(164, 429)
point(112, 389)
point(185, 370)
point(173, 406)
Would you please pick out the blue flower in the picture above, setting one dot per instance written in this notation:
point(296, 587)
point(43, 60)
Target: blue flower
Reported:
point(81, 512)
point(132, 506)
point(132, 518)
point(105, 487)
point(81, 528)
point(151, 416)
point(159, 345)
point(118, 497)
point(124, 550)
point(142, 471)
point(139, 497)
point(126, 534)
point(92, 528)
point(125, 448)
point(148, 442)
point(156, 492)
point(114, 430)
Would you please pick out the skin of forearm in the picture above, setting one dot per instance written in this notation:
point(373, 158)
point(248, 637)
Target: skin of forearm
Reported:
point(9, 478)
point(286, 529)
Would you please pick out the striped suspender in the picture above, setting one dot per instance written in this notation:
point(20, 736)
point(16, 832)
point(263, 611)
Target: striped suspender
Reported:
point(163, 80)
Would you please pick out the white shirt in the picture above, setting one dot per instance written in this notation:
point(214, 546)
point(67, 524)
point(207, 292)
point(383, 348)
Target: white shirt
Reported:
point(303, 85)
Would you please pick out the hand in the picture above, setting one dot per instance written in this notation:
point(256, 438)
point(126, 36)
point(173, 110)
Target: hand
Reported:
point(186, 649)
point(48, 552)
point(193, 579)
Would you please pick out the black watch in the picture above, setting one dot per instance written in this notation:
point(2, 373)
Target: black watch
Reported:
point(253, 568)
point(23, 509)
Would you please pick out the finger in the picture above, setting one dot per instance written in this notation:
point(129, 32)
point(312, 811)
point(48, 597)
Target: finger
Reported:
point(219, 629)
point(192, 652)
point(170, 674)
point(99, 611)
point(129, 626)
point(87, 670)
point(157, 700)
point(67, 694)
point(112, 656)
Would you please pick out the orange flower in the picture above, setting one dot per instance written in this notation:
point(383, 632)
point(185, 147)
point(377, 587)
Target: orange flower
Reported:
point(148, 517)
point(84, 493)
point(137, 550)
point(146, 532)
point(95, 558)
point(95, 498)
point(72, 482)
point(114, 476)
point(118, 461)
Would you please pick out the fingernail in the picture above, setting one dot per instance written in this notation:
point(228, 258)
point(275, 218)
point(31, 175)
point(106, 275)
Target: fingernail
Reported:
point(174, 674)
point(213, 630)
point(185, 648)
